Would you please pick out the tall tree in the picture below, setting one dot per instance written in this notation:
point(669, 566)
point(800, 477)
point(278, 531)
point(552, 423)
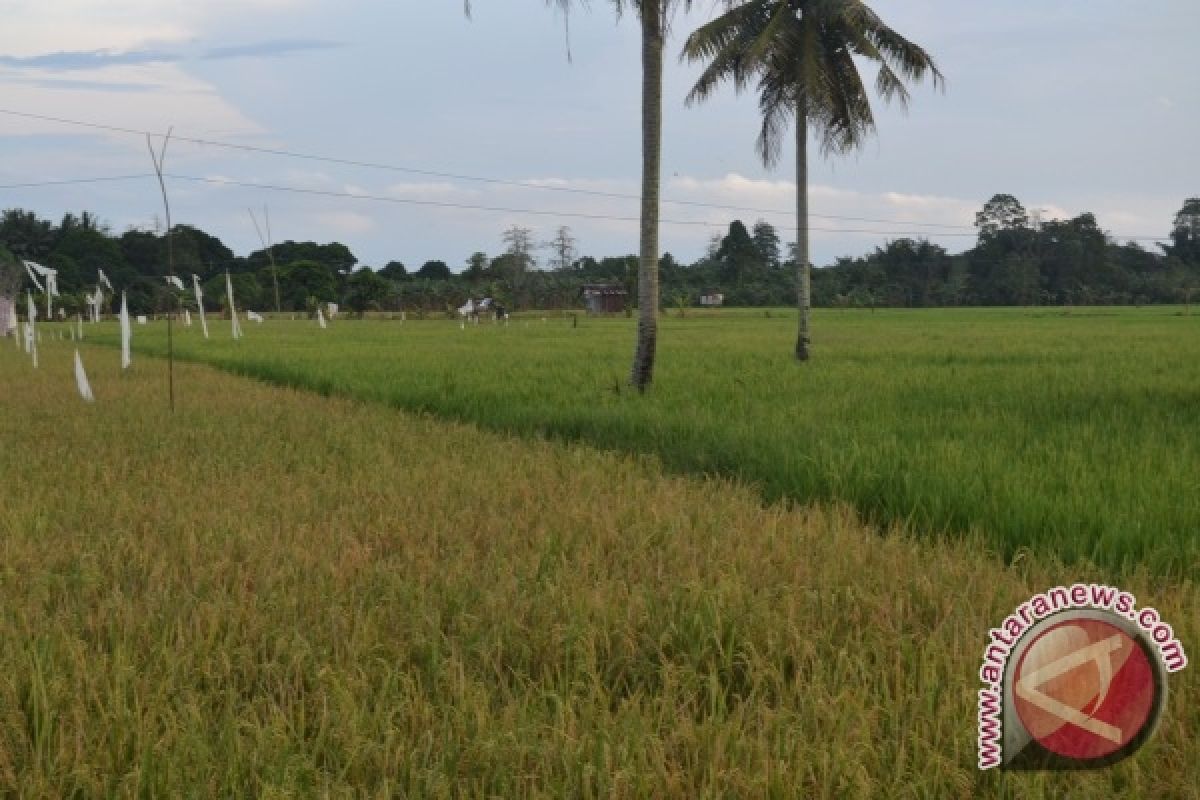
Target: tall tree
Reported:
point(800, 53)
point(766, 240)
point(653, 16)
point(738, 258)
point(394, 271)
point(518, 245)
point(562, 249)
point(26, 235)
point(1185, 233)
point(1002, 213)
point(434, 271)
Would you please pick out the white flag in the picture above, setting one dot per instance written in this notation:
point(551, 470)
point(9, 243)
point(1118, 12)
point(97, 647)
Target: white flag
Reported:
point(172, 280)
point(96, 302)
point(320, 317)
point(236, 327)
point(34, 270)
point(51, 288)
point(200, 304)
point(30, 330)
point(126, 333)
point(85, 389)
point(104, 281)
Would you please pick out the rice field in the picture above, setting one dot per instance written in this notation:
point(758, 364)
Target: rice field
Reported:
point(1071, 433)
point(270, 593)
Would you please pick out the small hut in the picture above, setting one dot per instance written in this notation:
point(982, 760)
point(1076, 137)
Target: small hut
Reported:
point(712, 298)
point(603, 298)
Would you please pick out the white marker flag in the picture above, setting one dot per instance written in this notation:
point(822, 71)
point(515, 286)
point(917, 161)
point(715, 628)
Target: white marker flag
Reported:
point(30, 268)
point(51, 289)
point(320, 317)
point(96, 302)
point(200, 303)
point(126, 333)
point(30, 331)
point(235, 326)
point(85, 388)
point(173, 280)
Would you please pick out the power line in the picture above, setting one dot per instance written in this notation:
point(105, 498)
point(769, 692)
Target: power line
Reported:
point(460, 177)
point(503, 209)
point(69, 181)
point(472, 207)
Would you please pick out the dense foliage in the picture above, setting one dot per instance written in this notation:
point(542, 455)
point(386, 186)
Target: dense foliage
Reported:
point(1015, 261)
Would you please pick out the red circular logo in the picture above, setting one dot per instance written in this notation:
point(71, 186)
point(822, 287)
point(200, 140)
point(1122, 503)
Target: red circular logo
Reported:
point(1084, 689)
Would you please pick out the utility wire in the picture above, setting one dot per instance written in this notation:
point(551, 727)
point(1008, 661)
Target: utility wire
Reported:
point(504, 209)
point(456, 176)
point(69, 181)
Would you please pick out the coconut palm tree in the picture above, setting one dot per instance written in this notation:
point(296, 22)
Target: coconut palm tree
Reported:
point(800, 54)
point(653, 15)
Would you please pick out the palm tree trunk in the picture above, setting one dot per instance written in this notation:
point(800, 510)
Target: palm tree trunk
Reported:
point(803, 282)
point(652, 69)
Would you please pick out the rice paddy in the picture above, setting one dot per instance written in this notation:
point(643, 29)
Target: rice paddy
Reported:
point(1074, 434)
point(272, 593)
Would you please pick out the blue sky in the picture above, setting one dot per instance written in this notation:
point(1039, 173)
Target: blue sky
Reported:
point(1071, 106)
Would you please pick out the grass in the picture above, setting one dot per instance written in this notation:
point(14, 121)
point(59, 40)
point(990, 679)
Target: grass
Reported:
point(275, 594)
point(1076, 435)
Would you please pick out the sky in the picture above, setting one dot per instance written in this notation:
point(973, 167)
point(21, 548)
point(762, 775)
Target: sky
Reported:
point(1071, 106)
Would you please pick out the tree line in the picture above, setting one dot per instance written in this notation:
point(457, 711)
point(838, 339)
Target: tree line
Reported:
point(1016, 260)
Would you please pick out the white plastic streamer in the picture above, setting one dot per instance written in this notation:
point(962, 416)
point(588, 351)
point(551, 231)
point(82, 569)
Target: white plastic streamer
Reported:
point(30, 330)
point(94, 302)
point(81, 381)
point(200, 303)
point(173, 280)
point(104, 281)
point(51, 276)
point(40, 270)
point(10, 318)
point(126, 333)
point(233, 317)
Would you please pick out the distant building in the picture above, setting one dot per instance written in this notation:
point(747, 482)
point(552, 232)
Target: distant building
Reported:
point(711, 297)
point(603, 298)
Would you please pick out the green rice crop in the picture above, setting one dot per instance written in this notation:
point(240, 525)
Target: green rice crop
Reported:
point(274, 594)
point(1074, 433)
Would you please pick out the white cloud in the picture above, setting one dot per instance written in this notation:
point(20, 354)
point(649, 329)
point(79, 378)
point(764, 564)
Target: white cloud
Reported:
point(34, 27)
point(340, 223)
point(438, 189)
point(166, 96)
